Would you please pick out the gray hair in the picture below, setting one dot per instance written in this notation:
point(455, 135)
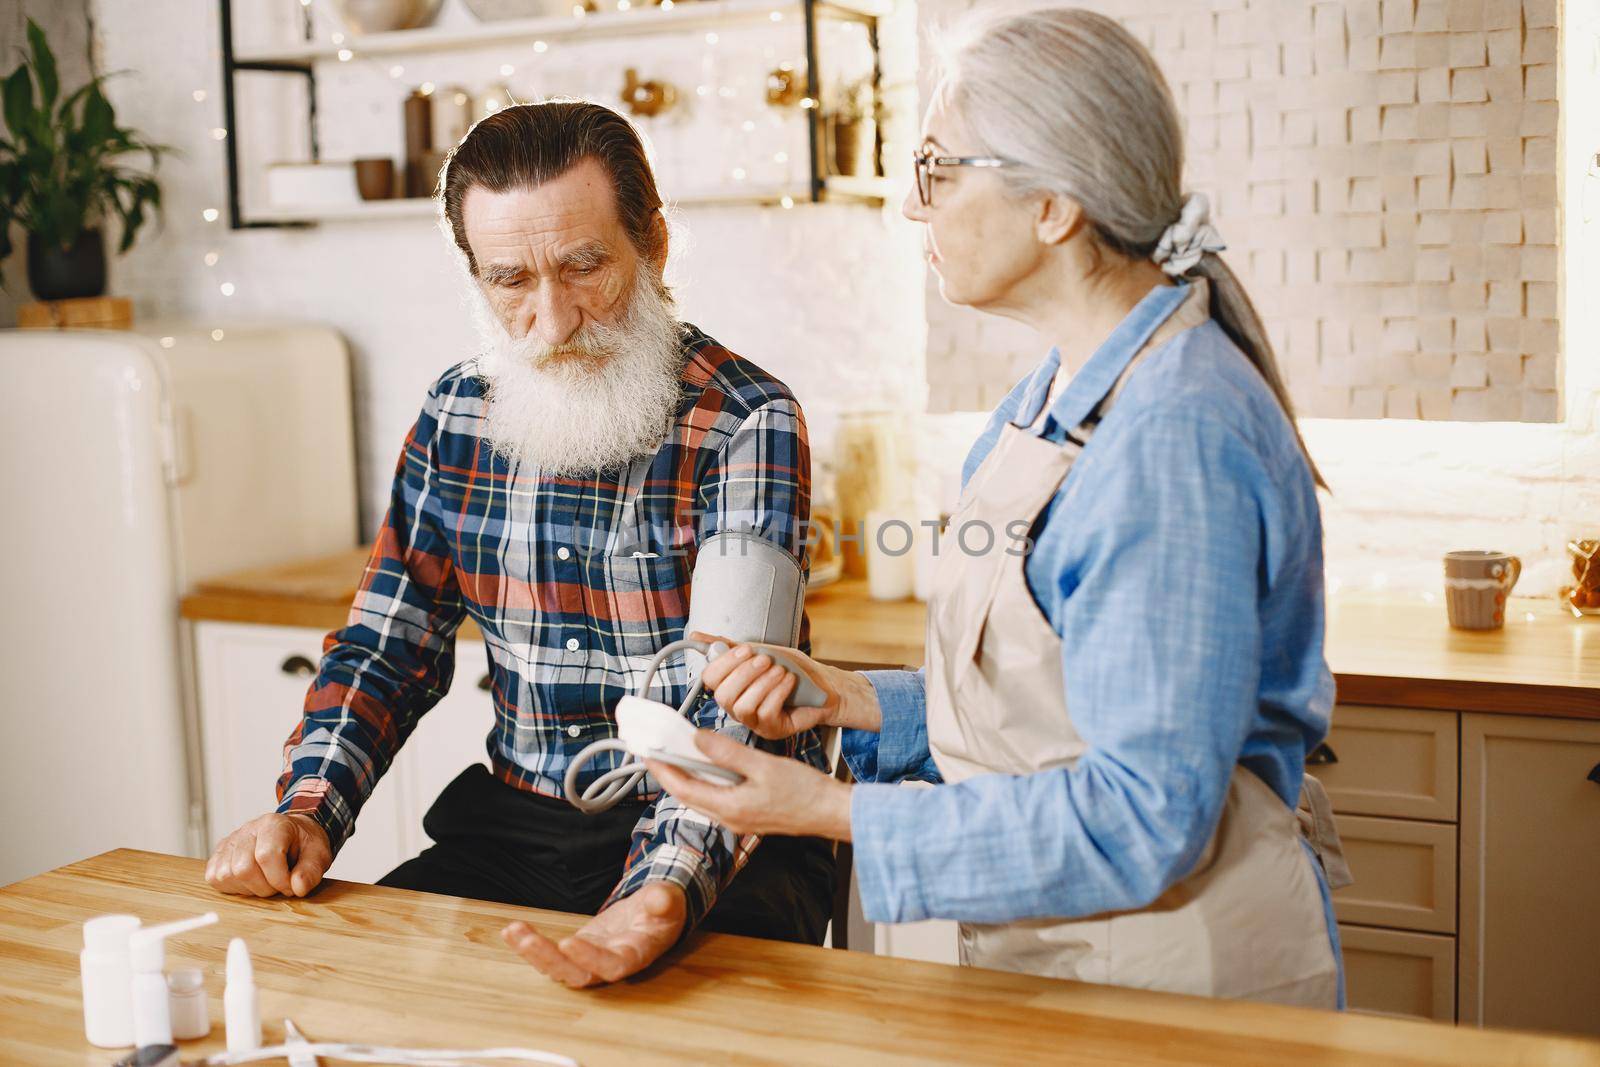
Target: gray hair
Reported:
point(1081, 110)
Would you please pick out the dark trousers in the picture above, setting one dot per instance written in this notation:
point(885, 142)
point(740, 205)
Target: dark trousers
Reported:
point(495, 842)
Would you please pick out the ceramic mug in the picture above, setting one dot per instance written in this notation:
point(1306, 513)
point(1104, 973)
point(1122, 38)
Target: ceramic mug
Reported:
point(375, 178)
point(1476, 584)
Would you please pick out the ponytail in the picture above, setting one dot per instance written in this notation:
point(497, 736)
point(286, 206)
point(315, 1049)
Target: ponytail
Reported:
point(1234, 311)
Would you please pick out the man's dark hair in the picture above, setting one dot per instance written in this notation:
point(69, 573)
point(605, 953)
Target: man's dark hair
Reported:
point(526, 145)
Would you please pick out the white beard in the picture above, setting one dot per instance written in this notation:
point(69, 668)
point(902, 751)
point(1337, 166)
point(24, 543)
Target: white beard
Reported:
point(606, 396)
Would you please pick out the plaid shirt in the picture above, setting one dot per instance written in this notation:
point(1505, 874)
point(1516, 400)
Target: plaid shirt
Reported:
point(570, 615)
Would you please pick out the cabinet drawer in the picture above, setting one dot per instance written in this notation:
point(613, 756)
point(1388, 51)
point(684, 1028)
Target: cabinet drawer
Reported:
point(1387, 972)
point(1405, 874)
point(1390, 761)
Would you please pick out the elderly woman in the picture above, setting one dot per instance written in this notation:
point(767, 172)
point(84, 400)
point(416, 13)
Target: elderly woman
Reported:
point(1119, 705)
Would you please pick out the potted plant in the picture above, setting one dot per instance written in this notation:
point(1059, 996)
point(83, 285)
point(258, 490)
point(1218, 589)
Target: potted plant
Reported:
point(853, 129)
point(63, 172)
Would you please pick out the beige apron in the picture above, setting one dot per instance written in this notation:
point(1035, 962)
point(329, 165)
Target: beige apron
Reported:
point(1248, 921)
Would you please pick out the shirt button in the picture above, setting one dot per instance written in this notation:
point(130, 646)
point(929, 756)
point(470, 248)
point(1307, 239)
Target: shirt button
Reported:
point(572, 644)
point(574, 731)
point(563, 553)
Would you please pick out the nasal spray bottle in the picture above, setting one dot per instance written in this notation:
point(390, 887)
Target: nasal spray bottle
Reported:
point(241, 1004)
point(152, 1014)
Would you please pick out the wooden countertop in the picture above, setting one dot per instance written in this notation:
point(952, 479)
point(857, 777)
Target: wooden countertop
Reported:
point(361, 963)
point(1384, 650)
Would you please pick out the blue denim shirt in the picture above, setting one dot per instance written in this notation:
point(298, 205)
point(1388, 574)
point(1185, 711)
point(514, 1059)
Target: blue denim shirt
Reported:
point(1180, 562)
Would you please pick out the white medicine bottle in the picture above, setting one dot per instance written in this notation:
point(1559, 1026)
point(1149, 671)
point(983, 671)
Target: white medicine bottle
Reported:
point(107, 980)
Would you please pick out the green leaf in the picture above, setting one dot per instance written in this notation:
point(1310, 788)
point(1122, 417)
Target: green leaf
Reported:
point(74, 97)
point(44, 66)
point(18, 101)
point(99, 121)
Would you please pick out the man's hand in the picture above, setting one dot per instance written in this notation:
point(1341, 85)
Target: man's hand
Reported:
point(623, 939)
point(778, 795)
point(269, 855)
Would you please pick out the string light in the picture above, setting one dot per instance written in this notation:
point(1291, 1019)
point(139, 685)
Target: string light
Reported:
point(623, 5)
point(426, 88)
point(666, 5)
point(199, 96)
point(226, 288)
point(780, 157)
point(345, 55)
point(396, 70)
point(748, 125)
point(211, 259)
point(578, 11)
point(711, 38)
point(738, 174)
point(540, 46)
point(787, 202)
point(217, 335)
point(776, 16)
point(168, 342)
point(506, 70)
point(210, 214)
point(338, 38)
point(219, 134)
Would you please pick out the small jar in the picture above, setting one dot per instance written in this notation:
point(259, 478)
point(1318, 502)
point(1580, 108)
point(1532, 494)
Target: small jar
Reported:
point(1583, 596)
point(186, 999)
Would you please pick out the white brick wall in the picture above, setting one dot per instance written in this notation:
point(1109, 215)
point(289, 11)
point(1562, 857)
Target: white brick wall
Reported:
point(1385, 175)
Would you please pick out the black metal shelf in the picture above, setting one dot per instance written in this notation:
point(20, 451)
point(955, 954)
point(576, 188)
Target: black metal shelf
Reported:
point(301, 61)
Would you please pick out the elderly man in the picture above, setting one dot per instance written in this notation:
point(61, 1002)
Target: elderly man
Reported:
point(554, 488)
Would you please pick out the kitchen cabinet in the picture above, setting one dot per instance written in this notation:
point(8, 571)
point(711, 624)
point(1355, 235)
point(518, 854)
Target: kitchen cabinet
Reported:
point(1392, 972)
point(1530, 873)
point(1391, 776)
point(252, 683)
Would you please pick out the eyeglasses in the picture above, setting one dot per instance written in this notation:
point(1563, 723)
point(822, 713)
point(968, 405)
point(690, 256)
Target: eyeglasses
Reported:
point(924, 161)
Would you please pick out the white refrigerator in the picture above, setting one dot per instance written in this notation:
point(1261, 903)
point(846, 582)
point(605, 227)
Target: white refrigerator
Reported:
point(133, 464)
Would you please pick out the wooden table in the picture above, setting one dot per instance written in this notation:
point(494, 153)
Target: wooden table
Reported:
point(361, 963)
point(1384, 650)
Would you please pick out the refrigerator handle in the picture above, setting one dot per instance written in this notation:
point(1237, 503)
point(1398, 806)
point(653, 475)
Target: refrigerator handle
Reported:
point(175, 450)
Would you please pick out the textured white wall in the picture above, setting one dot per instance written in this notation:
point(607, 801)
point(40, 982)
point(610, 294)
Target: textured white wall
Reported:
point(1384, 172)
point(1404, 492)
point(827, 297)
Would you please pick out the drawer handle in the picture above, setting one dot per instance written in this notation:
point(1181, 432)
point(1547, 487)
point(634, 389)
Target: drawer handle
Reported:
point(1323, 754)
point(484, 683)
point(1594, 774)
point(299, 667)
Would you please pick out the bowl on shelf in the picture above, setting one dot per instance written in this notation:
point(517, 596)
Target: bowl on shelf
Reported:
point(384, 16)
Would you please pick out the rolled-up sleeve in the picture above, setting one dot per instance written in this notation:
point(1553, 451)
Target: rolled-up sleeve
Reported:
point(1161, 654)
point(898, 752)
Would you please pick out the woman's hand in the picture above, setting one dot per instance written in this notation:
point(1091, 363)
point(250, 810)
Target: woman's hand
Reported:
point(754, 690)
point(778, 795)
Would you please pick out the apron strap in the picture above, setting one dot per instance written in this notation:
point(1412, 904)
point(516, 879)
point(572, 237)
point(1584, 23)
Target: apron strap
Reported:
point(1315, 813)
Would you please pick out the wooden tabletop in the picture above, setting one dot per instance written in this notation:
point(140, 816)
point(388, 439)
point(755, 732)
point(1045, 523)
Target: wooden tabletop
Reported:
point(360, 963)
point(1386, 650)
